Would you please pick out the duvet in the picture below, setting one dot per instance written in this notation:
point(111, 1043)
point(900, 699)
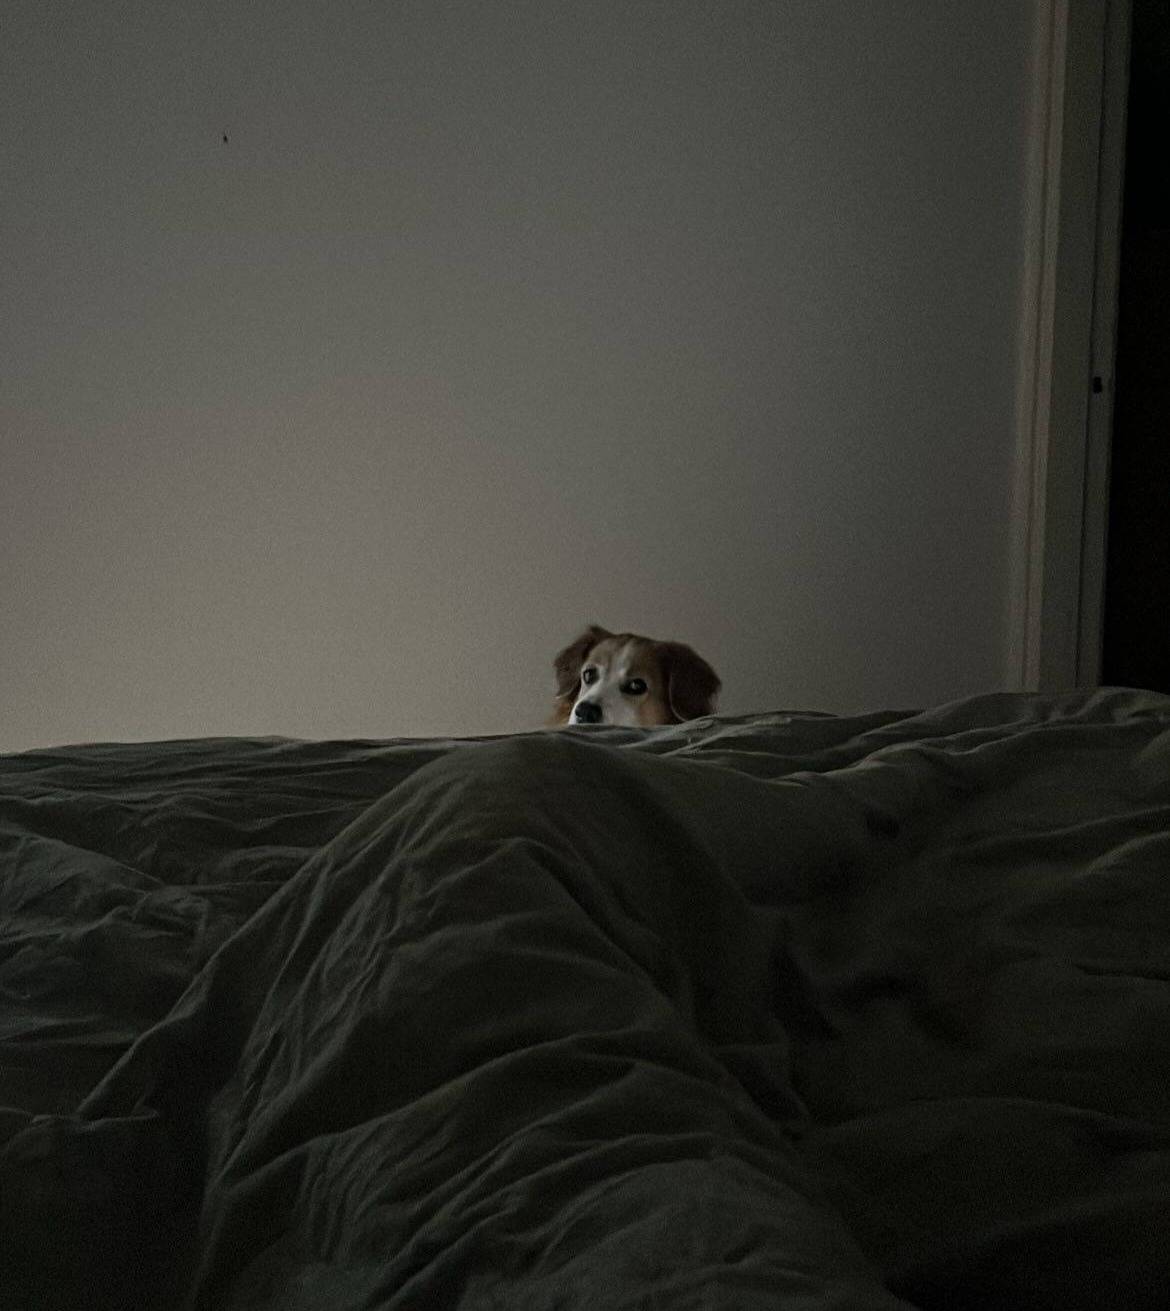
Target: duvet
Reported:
point(779, 1010)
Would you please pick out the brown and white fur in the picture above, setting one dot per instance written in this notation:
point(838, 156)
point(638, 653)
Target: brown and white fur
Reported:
point(621, 678)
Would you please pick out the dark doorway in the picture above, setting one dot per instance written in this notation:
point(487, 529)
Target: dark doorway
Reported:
point(1136, 645)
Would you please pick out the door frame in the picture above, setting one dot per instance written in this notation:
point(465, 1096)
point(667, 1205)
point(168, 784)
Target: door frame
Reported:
point(1068, 329)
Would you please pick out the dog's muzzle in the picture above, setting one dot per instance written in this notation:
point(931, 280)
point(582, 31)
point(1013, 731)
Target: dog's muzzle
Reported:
point(587, 712)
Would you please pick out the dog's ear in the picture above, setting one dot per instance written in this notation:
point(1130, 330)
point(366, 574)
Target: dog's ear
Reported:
point(568, 662)
point(691, 684)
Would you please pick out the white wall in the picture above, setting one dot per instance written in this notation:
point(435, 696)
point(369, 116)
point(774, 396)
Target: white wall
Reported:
point(694, 318)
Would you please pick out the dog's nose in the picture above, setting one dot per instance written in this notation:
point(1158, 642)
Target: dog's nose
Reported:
point(587, 712)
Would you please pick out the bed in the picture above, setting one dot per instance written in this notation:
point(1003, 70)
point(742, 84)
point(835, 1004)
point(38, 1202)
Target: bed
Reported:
point(776, 1010)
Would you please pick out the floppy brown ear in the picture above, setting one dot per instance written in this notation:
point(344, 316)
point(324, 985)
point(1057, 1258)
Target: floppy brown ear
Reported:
point(691, 684)
point(568, 662)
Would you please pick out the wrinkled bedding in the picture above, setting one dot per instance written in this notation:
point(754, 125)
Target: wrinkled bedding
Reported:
point(772, 1010)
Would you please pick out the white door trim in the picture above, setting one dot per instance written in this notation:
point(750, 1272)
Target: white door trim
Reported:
point(1067, 328)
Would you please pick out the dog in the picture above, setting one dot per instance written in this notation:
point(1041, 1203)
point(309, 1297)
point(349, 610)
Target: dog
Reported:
point(622, 678)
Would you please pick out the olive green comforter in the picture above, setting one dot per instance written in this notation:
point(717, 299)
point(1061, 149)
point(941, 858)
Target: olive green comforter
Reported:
point(781, 1010)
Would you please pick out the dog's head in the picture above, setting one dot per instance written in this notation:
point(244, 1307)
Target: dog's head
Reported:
point(621, 678)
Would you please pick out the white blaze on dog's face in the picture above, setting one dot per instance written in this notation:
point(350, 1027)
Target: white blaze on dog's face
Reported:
point(622, 682)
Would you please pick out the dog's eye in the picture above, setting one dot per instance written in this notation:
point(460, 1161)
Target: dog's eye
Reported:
point(588, 676)
point(634, 686)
